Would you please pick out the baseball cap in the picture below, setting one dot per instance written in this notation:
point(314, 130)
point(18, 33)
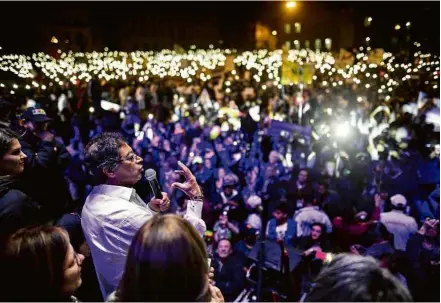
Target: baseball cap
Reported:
point(398, 200)
point(197, 160)
point(35, 115)
point(229, 180)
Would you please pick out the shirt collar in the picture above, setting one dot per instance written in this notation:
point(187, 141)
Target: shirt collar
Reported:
point(122, 192)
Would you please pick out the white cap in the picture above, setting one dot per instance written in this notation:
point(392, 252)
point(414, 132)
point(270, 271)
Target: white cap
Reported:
point(398, 200)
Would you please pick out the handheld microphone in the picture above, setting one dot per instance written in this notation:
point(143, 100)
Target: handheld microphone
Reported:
point(150, 175)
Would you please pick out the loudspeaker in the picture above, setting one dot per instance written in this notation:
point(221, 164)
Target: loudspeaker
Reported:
point(273, 255)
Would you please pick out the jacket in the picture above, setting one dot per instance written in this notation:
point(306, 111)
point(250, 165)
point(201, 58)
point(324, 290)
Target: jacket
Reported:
point(400, 225)
point(43, 177)
point(290, 234)
point(17, 210)
point(306, 216)
point(230, 275)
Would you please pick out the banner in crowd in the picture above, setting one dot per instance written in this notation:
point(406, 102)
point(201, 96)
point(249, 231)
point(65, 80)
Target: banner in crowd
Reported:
point(344, 58)
point(178, 49)
point(292, 73)
point(229, 64)
point(278, 128)
point(308, 72)
point(376, 56)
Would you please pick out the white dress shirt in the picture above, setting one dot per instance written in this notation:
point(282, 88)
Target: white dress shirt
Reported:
point(111, 217)
point(400, 225)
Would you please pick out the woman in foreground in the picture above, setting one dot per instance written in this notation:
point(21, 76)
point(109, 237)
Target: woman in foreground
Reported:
point(167, 261)
point(41, 265)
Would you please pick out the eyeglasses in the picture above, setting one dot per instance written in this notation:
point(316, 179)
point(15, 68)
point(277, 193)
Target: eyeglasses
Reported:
point(113, 162)
point(131, 157)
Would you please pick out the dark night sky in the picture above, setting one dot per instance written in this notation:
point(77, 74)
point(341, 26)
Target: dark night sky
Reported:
point(16, 22)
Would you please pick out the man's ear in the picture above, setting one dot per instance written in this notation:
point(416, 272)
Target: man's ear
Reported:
point(109, 173)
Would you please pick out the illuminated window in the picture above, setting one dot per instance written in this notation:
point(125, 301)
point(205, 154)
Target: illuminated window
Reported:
point(328, 43)
point(298, 27)
point(288, 28)
point(288, 44)
point(297, 44)
point(318, 44)
point(307, 44)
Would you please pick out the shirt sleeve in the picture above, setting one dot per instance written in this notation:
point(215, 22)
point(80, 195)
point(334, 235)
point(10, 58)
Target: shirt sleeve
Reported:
point(194, 216)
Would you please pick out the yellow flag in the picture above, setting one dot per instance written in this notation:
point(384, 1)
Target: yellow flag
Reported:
point(229, 64)
point(376, 56)
point(344, 58)
point(289, 69)
point(179, 49)
point(308, 72)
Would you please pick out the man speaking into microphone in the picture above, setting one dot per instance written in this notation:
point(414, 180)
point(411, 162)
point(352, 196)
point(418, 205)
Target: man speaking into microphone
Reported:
point(113, 211)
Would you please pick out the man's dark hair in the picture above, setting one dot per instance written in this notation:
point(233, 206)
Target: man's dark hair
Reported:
point(307, 196)
point(324, 183)
point(305, 169)
point(319, 224)
point(401, 207)
point(103, 152)
point(283, 207)
point(352, 278)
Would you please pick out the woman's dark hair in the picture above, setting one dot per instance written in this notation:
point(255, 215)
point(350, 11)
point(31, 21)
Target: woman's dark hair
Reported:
point(6, 138)
point(103, 152)
point(352, 278)
point(33, 263)
point(167, 261)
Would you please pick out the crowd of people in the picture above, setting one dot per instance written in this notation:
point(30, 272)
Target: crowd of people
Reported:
point(323, 171)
